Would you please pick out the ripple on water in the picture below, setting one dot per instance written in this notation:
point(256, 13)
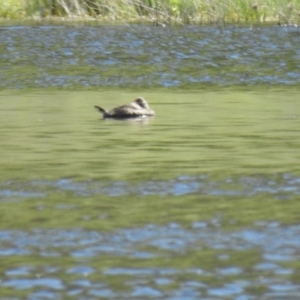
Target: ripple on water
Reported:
point(280, 186)
point(155, 282)
point(225, 291)
point(26, 283)
point(66, 56)
point(276, 244)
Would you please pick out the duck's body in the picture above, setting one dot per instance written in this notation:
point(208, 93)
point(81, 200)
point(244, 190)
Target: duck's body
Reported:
point(138, 108)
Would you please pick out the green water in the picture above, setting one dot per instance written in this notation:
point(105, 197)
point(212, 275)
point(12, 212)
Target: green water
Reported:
point(48, 137)
point(52, 135)
point(200, 201)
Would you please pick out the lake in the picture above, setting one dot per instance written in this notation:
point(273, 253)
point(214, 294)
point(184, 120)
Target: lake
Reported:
point(199, 202)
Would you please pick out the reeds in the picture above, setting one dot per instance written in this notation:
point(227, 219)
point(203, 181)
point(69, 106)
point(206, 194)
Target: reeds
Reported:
point(157, 12)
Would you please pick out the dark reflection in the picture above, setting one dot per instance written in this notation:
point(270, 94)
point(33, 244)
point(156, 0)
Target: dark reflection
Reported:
point(132, 121)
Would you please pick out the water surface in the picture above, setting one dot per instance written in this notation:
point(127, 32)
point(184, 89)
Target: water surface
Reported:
point(150, 57)
point(200, 202)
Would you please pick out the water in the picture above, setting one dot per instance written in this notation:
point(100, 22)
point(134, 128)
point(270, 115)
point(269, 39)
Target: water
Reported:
point(148, 57)
point(200, 202)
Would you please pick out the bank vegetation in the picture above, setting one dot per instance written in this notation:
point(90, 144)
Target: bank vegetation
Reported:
point(157, 12)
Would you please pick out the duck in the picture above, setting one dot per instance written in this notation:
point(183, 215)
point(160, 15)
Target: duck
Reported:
point(138, 108)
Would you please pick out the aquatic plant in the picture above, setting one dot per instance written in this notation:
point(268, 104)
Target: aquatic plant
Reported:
point(157, 12)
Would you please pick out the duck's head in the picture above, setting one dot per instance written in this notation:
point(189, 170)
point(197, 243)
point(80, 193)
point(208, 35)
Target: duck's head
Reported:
point(142, 102)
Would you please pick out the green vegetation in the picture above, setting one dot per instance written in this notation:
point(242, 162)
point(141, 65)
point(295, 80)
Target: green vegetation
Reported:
point(157, 12)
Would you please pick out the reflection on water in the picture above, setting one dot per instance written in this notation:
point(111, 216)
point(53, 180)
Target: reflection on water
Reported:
point(282, 185)
point(275, 244)
point(92, 208)
point(147, 56)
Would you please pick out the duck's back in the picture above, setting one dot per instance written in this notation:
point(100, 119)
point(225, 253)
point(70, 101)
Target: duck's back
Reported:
point(125, 111)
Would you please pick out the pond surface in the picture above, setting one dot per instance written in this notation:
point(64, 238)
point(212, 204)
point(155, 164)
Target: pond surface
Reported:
point(199, 202)
point(148, 57)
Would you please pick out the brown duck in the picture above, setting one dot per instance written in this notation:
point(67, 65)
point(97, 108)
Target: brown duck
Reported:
point(138, 108)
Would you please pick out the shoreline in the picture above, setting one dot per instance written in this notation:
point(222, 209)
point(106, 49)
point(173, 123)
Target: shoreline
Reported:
point(158, 13)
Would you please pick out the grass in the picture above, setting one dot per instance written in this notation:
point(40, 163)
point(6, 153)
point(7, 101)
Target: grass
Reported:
point(156, 12)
